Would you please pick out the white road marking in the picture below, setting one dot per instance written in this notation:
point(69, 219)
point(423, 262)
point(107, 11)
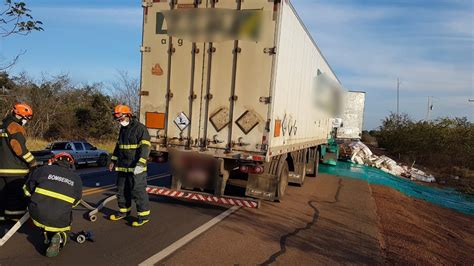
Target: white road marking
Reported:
point(187, 238)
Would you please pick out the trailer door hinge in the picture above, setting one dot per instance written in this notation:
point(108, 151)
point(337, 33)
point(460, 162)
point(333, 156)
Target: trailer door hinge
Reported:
point(266, 100)
point(267, 125)
point(169, 95)
point(144, 93)
point(270, 51)
point(145, 49)
point(211, 50)
point(147, 3)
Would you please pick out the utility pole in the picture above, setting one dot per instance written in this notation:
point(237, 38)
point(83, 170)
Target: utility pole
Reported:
point(398, 97)
point(430, 109)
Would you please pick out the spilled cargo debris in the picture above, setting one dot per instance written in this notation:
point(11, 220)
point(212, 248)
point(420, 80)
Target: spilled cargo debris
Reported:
point(358, 153)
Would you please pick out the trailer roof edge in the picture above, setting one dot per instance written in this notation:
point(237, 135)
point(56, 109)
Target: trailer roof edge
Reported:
point(312, 39)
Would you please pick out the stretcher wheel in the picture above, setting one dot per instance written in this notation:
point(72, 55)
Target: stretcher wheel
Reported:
point(81, 239)
point(93, 218)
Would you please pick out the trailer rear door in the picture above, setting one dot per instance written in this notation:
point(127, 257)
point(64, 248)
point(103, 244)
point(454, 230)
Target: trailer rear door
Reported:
point(208, 90)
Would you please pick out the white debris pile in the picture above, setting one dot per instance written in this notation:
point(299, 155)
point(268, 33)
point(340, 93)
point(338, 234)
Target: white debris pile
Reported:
point(361, 154)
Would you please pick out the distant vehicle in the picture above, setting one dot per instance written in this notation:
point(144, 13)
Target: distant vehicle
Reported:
point(82, 152)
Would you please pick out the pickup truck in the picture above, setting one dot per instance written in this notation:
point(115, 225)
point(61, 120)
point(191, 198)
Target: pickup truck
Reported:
point(82, 152)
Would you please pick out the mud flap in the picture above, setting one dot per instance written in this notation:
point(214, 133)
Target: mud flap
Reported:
point(263, 186)
point(299, 173)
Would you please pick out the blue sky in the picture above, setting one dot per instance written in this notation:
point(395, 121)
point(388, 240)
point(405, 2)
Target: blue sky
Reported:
point(369, 43)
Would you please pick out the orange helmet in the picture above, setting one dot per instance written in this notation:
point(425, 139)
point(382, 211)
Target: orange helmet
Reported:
point(62, 156)
point(23, 110)
point(121, 111)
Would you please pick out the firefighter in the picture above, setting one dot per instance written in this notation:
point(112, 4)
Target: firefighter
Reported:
point(54, 190)
point(130, 161)
point(15, 162)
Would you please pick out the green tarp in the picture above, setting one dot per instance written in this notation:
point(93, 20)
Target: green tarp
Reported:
point(448, 198)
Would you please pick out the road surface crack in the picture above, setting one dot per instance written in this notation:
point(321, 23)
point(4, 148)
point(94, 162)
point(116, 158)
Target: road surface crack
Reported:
point(283, 239)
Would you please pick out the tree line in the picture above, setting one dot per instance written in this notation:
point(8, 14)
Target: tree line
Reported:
point(444, 143)
point(64, 110)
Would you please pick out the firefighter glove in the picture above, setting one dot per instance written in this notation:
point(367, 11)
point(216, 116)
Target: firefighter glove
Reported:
point(139, 169)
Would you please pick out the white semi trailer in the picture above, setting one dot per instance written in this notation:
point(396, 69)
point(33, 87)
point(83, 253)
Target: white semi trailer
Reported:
point(234, 89)
point(353, 106)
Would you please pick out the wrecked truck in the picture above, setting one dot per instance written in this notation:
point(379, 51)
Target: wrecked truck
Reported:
point(234, 90)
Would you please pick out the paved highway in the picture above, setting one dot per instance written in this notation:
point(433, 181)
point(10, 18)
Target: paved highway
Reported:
point(114, 243)
point(329, 220)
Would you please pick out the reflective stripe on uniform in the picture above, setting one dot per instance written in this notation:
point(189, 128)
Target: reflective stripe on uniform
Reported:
point(25, 191)
point(114, 158)
point(123, 169)
point(50, 228)
point(142, 160)
point(145, 213)
point(124, 210)
point(128, 147)
point(28, 157)
point(3, 135)
point(2, 218)
point(75, 205)
point(126, 170)
point(145, 142)
point(7, 212)
point(55, 195)
point(134, 146)
point(14, 171)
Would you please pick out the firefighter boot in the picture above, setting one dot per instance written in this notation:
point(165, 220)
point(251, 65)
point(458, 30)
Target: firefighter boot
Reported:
point(119, 216)
point(54, 246)
point(141, 221)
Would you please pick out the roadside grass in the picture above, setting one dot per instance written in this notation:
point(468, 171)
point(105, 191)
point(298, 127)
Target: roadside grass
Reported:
point(35, 144)
point(108, 145)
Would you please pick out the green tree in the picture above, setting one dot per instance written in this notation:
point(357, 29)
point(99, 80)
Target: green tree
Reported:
point(16, 19)
point(443, 143)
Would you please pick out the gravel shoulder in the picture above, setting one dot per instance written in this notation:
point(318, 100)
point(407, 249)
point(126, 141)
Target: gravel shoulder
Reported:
point(418, 232)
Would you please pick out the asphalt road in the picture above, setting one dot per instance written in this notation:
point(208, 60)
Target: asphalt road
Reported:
point(114, 243)
point(330, 220)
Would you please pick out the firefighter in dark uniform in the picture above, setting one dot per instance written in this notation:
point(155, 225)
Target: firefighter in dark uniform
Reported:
point(15, 162)
point(130, 161)
point(54, 190)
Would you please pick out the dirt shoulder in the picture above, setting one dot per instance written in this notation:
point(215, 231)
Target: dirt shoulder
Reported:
point(418, 232)
point(330, 220)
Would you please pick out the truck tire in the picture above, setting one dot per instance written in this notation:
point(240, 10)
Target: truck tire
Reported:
point(103, 160)
point(283, 180)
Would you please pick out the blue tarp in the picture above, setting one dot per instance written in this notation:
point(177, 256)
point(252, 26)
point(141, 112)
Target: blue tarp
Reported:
point(448, 198)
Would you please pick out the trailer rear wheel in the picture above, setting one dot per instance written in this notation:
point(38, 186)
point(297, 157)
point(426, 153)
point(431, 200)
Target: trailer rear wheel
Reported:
point(283, 180)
